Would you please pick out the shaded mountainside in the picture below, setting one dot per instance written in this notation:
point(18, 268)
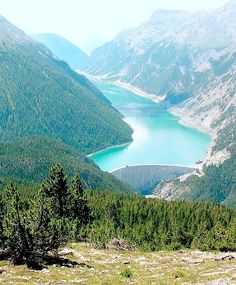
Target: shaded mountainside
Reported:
point(41, 95)
point(62, 48)
point(49, 113)
point(29, 159)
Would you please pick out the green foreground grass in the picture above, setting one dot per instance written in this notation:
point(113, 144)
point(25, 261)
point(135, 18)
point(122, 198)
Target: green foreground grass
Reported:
point(112, 267)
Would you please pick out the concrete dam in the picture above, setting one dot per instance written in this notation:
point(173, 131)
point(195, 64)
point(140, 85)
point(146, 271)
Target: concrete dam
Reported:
point(144, 178)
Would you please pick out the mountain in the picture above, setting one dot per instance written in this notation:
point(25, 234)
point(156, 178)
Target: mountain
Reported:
point(188, 58)
point(168, 52)
point(214, 110)
point(42, 96)
point(49, 113)
point(63, 49)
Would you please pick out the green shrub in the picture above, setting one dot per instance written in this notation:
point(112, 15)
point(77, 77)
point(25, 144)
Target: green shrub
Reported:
point(127, 273)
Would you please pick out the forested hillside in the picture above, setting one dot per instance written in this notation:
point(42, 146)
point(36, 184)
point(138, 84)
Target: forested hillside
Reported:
point(29, 159)
point(155, 225)
point(49, 113)
point(41, 95)
point(34, 225)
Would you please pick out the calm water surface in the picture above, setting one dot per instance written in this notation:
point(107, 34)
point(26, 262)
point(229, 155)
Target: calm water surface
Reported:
point(158, 138)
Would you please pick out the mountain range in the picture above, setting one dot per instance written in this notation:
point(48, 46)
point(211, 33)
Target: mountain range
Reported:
point(168, 52)
point(52, 118)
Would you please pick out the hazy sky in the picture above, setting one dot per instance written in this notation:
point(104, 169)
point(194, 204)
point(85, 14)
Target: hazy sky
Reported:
point(89, 22)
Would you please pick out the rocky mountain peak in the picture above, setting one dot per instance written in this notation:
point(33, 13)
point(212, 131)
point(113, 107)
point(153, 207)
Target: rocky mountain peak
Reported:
point(168, 16)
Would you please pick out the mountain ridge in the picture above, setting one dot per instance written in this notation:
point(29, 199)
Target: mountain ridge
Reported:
point(63, 49)
point(196, 32)
point(28, 159)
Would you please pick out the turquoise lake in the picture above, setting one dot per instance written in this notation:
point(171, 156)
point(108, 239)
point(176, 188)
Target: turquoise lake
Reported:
point(158, 138)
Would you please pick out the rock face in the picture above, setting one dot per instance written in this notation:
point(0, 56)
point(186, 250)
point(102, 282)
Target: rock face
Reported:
point(214, 110)
point(144, 178)
point(169, 52)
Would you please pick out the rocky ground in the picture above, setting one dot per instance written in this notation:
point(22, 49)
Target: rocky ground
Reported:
point(112, 267)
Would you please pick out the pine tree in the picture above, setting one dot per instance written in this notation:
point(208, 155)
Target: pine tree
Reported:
point(47, 235)
point(78, 209)
point(30, 229)
point(55, 187)
point(1, 222)
point(16, 229)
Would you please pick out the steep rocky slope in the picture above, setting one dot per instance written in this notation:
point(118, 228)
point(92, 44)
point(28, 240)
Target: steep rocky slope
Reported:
point(214, 110)
point(169, 52)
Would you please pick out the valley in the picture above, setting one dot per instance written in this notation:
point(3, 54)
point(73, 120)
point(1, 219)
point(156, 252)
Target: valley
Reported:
point(158, 138)
point(119, 166)
point(186, 59)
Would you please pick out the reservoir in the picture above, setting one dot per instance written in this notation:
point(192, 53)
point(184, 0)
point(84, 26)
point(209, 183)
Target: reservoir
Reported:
point(158, 137)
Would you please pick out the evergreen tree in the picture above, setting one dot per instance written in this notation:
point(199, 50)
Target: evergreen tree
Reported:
point(55, 187)
point(19, 240)
point(47, 235)
point(78, 209)
point(1, 221)
point(30, 228)
point(27, 228)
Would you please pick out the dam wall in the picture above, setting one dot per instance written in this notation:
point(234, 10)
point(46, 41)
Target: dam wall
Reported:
point(144, 178)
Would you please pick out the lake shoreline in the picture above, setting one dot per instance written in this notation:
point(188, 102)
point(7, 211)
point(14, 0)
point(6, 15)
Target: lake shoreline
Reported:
point(183, 119)
point(192, 123)
point(189, 122)
point(155, 98)
point(108, 148)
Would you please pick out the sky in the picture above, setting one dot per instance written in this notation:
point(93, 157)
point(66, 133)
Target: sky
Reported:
point(90, 23)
